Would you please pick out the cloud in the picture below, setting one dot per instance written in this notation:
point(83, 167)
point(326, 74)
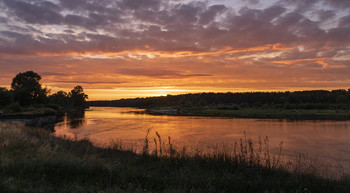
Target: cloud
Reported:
point(137, 4)
point(325, 15)
point(271, 13)
point(89, 82)
point(339, 37)
point(68, 31)
point(301, 6)
point(254, 2)
point(158, 41)
point(209, 15)
point(43, 12)
point(3, 20)
point(341, 4)
point(157, 26)
point(344, 22)
point(73, 5)
point(159, 73)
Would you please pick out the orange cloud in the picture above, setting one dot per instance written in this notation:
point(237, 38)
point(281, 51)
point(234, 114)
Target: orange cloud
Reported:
point(300, 61)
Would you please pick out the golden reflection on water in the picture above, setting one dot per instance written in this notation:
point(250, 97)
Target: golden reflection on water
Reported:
point(319, 139)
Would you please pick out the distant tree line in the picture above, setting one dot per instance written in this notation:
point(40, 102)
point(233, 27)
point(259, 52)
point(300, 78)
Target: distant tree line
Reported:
point(26, 90)
point(315, 99)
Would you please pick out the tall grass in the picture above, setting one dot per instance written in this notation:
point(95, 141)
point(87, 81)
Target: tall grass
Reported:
point(246, 152)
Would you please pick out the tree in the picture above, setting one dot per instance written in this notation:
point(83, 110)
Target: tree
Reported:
point(5, 97)
point(27, 89)
point(78, 97)
point(60, 98)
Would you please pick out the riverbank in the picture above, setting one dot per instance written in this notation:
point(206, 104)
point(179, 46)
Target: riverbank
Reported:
point(44, 116)
point(31, 111)
point(259, 113)
point(32, 160)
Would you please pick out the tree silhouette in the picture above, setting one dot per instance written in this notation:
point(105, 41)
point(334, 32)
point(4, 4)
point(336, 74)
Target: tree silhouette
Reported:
point(78, 97)
point(27, 89)
point(5, 97)
point(59, 98)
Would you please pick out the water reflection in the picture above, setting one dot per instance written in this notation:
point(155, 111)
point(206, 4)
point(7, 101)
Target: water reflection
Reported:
point(71, 120)
point(76, 119)
point(324, 140)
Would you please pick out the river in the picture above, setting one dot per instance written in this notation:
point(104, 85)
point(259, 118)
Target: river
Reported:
point(328, 141)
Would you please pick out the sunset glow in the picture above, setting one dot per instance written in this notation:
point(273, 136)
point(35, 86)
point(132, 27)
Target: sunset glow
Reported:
point(137, 48)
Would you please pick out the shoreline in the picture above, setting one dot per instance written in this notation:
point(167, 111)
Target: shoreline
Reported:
point(25, 116)
point(35, 119)
point(46, 121)
point(253, 113)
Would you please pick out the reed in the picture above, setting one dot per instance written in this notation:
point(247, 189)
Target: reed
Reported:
point(244, 152)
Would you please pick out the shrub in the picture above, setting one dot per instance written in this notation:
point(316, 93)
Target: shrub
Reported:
point(5, 97)
point(14, 107)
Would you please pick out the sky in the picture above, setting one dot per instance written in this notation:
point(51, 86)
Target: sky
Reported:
point(136, 48)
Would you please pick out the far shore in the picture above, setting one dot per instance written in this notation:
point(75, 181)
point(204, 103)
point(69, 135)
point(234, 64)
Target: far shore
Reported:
point(255, 113)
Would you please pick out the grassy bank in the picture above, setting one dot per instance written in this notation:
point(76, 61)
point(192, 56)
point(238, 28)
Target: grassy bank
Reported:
point(15, 109)
point(32, 160)
point(250, 112)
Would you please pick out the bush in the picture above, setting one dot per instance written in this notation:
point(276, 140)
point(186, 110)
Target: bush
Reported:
point(14, 107)
point(5, 97)
point(53, 106)
point(228, 107)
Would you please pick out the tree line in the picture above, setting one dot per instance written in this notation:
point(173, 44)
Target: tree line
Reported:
point(26, 90)
point(314, 99)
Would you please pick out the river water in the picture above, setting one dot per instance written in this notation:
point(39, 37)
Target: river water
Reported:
point(326, 141)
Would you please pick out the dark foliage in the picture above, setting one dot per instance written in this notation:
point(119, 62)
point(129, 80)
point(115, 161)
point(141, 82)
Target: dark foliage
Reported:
point(315, 99)
point(27, 93)
point(5, 97)
point(27, 89)
point(60, 98)
point(78, 97)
